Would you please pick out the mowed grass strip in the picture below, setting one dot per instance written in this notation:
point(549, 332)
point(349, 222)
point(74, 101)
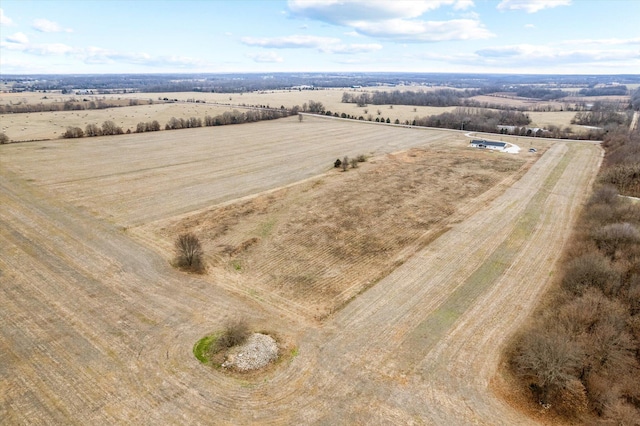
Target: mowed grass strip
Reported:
point(432, 329)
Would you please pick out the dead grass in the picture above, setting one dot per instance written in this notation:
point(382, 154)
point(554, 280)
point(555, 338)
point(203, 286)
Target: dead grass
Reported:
point(320, 243)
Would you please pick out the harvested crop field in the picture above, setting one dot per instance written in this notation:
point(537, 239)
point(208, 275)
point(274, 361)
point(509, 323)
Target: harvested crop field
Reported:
point(134, 179)
point(97, 328)
point(320, 243)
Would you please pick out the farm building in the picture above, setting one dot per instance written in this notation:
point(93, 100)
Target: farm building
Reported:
point(482, 144)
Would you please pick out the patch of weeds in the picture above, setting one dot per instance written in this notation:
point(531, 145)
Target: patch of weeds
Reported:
point(202, 348)
point(294, 352)
point(265, 228)
point(236, 264)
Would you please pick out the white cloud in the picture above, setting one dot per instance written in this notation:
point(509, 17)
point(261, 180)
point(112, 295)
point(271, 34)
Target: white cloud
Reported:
point(603, 41)
point(4, 19)
point(18, 38)
point(530, 26)
point(341, 12)
point(531, 6)
point(395, 20)
point(289, 42)
point(46, 26)
point(323, 44)
point(351, 48)
point(265, 57)
point(424, 31)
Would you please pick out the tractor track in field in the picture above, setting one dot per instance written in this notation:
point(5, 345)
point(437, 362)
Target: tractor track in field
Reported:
point(97, 328)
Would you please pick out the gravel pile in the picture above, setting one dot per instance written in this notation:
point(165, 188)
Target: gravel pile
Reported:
point(258, 351)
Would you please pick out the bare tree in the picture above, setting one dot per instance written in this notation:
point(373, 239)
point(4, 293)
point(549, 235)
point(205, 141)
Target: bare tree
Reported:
point(110, 128)
point(236, 333)
point(92, 130)
point(73, 132)
point(189, 252)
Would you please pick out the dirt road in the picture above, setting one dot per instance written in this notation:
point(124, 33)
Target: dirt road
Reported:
point(95, 328)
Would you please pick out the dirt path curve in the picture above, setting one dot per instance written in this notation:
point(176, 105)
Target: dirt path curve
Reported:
point(97, 329)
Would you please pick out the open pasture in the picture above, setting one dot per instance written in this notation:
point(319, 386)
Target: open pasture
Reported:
point(97, 328)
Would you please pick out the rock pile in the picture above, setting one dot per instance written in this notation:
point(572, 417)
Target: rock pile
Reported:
point(258, 351)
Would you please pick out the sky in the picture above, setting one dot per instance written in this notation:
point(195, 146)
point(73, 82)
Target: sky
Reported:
point(264, 36)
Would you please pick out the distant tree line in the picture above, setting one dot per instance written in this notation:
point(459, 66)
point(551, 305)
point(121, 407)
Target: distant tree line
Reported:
point(475, 119)
point(603, 113)
point(108, 128)
point(540, 93)
point(617, 90)
point(229, 117)
point(70, 105)
point(444, 97)
point(440, 98)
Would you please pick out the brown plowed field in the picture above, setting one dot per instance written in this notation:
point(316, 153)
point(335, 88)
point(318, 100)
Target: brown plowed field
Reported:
point(97, 328)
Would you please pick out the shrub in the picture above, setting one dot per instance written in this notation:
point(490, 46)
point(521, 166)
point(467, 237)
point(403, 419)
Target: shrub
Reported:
point(236, 333)
point(589, 270)
point(616, 236)
point(606, 194)
point(73, 132)
point(549, 362)
point(4, 138)
point(345, 163)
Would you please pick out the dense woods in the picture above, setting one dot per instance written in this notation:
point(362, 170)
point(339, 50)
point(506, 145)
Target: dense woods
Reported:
point(580, 355)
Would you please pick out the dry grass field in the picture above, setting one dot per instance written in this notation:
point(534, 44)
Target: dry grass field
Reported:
point(440, 251)
point(299, 244)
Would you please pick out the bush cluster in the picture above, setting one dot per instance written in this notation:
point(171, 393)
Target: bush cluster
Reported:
point(581, 354)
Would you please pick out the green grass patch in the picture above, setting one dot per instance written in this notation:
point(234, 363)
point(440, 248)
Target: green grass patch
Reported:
point(201, 349)
point(265, 228)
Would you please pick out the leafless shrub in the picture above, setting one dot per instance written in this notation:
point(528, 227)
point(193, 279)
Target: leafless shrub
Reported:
point(361, 158)
point(606, 194)
point(354, 163)
point(549, 362)
point(345, 163)
point(92, 130)
point(189, 252)
point(589, 270)
point(236, 333)
point(616, 236)
point(623, 413)
point(633, 294)
point(3, 138)
point(73, 132)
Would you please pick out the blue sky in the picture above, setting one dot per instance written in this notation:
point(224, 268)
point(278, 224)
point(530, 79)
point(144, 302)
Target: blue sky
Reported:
point(151, 36)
